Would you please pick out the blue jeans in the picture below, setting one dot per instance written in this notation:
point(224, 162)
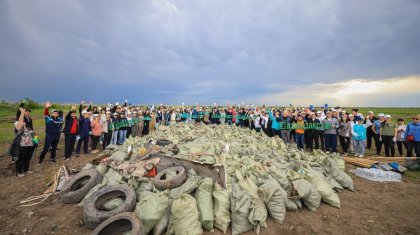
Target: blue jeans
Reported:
point(114, 139)
point(330, 142)
point(300, 140)
point(121, 136)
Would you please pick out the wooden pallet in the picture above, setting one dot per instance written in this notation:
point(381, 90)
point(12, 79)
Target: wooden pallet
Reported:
point(363, 162)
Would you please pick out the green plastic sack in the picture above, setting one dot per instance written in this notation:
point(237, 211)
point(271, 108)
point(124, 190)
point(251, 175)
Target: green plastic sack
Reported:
point(338, 175)
point(271, 195)
point(94, 189)
point(112, 177)
point(310, 196)
point(118, 156)
point(163, 223)
point(151, 209)
point(221, 208)
point(327, 193)
point(145, 189)
point(240, 206)
point(112, 204)
point(203, 196)
point(189, 186)
point(258, 212)
point(102, 168)
point(289, 203)
point(185, 215)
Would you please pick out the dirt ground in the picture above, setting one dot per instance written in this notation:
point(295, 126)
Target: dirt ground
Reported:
point(374, 208)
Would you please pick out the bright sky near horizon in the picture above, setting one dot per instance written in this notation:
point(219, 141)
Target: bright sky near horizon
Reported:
point(350, 53)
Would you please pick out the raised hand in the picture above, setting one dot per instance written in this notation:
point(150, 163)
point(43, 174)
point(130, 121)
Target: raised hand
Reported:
point(48, 104)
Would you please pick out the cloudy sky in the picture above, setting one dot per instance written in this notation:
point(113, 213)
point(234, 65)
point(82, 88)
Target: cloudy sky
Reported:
point(360, 53)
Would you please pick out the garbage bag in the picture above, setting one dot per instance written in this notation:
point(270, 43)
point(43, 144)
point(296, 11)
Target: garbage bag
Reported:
point(94, 189)
point(240, 206)
point(163, 222)
point(151, 209)
point(102, 168)
point(112, 204)
point(118, 156)
point(271, 195)
point(189, 186)
point(308, 193)
point(112, 178)
point(185, 215)
point(203, 196)
point(327, 193)
point(338, 175)
point(289, 203)
point(145, 189)
point(221, 208)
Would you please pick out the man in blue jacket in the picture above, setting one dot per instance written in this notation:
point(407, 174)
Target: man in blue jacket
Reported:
point(53, 124)
point(412, 136)
point(84, 131)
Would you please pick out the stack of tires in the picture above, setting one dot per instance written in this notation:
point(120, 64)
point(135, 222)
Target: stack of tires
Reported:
point(121, 219)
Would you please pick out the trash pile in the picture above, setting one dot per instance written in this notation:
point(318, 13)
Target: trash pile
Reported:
point(185, 178)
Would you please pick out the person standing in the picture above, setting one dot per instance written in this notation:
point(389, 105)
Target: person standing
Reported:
point(400, 136)
point(320, 116)
point(376, 127)
point(275, 123)
point(123, 125)
point(300, 132)
point(53, 126)
point(71, 130)
point(388, 136)
point(412, 136)
point(84, 131)
point(96, 132)
point(312, 132)
point(370, 134)
point(285, 121)
point(344, 133)
point(26, 145)
point(27, 118)
point(107, 129)
point(330, 135)
point(359, 136)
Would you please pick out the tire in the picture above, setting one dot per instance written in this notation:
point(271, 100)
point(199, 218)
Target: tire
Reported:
point(93, 216)
point(119, 224)
point(162, 142)
point(79, 185)
point(173, 182)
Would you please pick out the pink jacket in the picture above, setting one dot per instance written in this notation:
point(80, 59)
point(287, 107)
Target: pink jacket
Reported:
point(96, 128)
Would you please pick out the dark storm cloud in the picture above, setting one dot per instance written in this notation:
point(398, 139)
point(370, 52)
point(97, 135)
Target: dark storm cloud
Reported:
point(200, 51)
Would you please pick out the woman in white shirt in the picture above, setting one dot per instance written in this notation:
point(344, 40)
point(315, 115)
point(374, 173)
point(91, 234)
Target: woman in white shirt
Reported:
point(400, 136)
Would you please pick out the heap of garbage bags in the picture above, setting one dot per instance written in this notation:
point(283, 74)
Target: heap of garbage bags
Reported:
point(263, 178)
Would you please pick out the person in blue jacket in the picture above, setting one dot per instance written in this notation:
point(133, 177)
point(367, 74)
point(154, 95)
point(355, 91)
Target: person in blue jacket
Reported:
point(412, 136)
point(275, 123)
point(359, 136)
point(53, 124)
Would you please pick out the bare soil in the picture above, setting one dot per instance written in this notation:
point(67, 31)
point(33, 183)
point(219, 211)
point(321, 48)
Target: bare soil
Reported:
point(374, 208)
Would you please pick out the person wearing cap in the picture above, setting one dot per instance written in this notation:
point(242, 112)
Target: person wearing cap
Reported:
point(71, 130)
point(135, 129)
point(123, 126)
point(388, 136)
point(312, 133)
point(53, 124)
point(412, 136)
point(114, 128)
point(84, 132)
point(370, 134)
point(96, 126)
point(320, 115)
point(352, 121)
point(275, 123)
point(400, 136)
point(359, 136)
point(344, 133)
point(285, 120)
point(376, 127)
point(106, 129)
point(330, 135)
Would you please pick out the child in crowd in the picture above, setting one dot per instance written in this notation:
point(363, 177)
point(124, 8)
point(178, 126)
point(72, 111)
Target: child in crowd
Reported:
point(359, 136)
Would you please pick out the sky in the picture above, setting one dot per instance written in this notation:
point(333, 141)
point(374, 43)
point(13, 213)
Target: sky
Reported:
point(274, 52)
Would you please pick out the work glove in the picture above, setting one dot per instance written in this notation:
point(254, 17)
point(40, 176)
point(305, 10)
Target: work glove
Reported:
point(394, 139)
point(380, 138)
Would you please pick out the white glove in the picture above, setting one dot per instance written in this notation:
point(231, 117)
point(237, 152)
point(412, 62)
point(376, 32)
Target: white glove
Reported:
point(394, 139)
point(355, 135)
point(380, 138)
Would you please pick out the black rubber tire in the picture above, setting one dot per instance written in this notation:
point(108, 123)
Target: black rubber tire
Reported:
point(93, 216)
point(120, 223)
point(162, 142)
point(76, 188)
point(173, 182)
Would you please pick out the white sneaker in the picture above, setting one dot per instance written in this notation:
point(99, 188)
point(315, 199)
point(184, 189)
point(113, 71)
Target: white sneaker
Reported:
point(360, 155)
point(20, 175)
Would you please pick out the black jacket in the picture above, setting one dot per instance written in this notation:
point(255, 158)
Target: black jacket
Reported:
point(69, 123)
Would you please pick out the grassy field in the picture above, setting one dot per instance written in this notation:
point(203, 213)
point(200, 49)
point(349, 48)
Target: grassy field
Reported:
point(8, 115)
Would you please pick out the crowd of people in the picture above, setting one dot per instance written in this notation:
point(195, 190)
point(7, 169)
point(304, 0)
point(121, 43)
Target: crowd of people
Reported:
point(309, 128)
